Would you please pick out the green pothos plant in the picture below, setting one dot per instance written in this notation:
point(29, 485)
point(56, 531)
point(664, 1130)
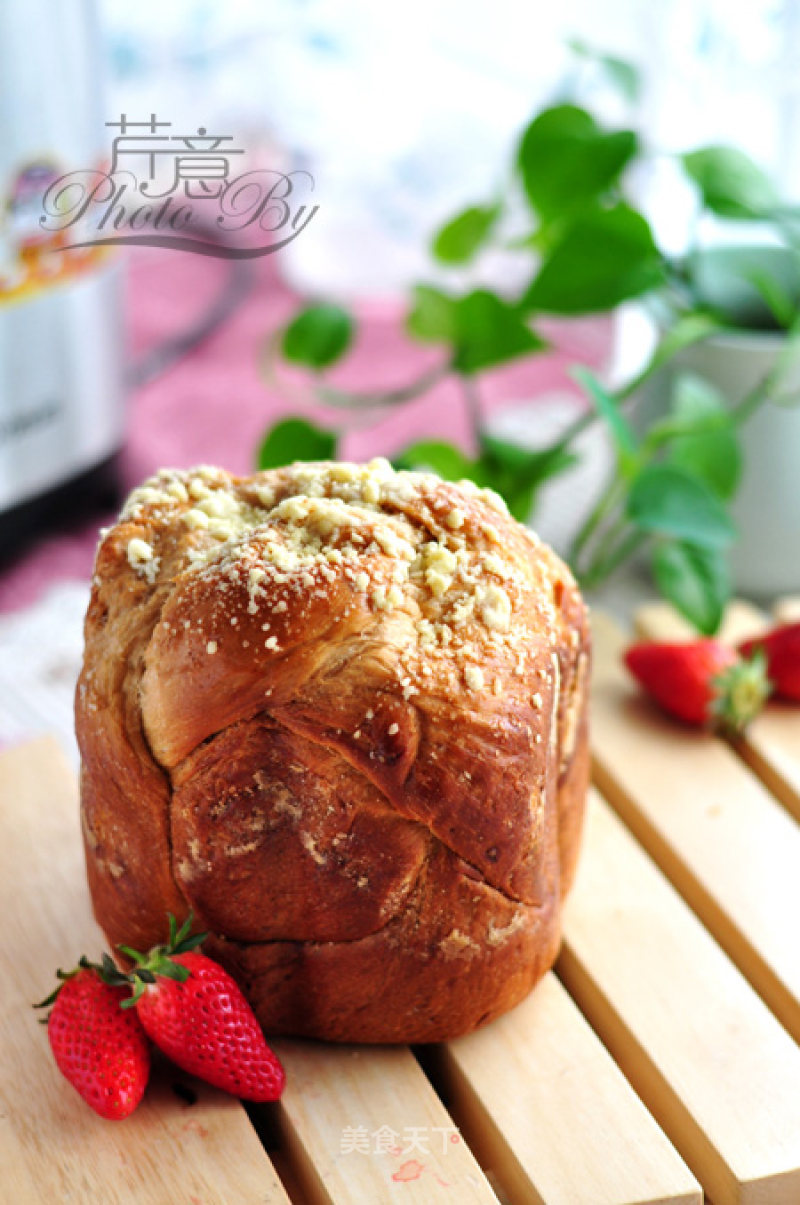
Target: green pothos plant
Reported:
point(585, 247)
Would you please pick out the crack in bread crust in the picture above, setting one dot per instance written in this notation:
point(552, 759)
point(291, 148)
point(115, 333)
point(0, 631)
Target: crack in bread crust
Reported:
point(280, 825)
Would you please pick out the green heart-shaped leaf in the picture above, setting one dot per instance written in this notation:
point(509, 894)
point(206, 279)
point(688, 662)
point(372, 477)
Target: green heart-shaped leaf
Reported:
point(318, 336)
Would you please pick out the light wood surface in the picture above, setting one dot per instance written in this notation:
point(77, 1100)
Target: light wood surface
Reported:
point(703, 1051)
point(547, 1104)
point(713, 827)
point(660, 621)
point(364, 1124)
point(787, 610)
point(53, 1148)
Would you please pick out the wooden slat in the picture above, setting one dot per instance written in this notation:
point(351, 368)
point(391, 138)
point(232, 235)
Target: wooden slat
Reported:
point(548, 1109)
point(364, 1124)
point(787, 610)
point(707, 1057)
point(771, 745)
point(52, 1146)
point(731, 850)
point(660, 621)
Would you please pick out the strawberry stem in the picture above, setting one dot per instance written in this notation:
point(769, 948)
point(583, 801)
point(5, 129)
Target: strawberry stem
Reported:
point(159, 960)
point(107, 970)
point(51, 999)
point(740, 693)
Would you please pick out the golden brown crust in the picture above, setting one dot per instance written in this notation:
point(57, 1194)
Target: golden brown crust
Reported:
point(341, 713)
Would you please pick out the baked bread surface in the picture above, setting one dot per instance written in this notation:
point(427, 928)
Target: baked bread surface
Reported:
point(341, 713)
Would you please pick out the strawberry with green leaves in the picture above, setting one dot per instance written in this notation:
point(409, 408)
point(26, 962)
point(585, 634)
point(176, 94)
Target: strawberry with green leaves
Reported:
point(702, 682)
point(196, 1014)
point(781, 647)
point(102, 1050)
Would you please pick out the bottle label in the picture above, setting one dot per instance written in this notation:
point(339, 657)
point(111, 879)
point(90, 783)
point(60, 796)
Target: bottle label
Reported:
point(60, 346)
point(32, 258)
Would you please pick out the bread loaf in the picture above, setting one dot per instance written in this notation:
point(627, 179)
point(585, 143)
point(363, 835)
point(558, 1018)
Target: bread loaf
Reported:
point(341, 713)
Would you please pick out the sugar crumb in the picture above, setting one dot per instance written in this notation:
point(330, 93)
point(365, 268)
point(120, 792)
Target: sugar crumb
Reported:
point(473, 676)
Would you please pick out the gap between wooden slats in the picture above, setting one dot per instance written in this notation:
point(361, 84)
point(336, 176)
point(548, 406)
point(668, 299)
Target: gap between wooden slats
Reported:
point(712, 1064)
point(729, 847)
point(543, 1103)
point(169, 1150)
point(363, 1124)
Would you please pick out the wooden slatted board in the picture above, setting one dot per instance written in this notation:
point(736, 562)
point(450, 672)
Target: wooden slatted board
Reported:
point(658, 1062)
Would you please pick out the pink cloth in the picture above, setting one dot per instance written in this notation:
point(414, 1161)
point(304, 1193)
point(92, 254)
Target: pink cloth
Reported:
point(213, 407)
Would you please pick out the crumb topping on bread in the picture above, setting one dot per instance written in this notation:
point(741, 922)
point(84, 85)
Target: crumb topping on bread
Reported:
point(401, 540)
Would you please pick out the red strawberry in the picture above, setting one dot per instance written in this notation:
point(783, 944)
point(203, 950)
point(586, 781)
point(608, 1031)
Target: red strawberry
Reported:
point(196, 1014)
point(701, 681)
point(102, 1051)
point(781, 648)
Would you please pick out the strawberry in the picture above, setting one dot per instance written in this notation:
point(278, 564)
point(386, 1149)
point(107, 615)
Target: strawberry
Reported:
point(196, 1014)
point(102, 1051)
point(702, 682)
point(781, 647)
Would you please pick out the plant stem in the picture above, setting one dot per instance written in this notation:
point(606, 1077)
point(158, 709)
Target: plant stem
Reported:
point(605, 504)
point(473, 404)
point(607, 557)
point(623, 394)
point(386, 397)
point(600, 570)
point(762, 392)
point(318, 392)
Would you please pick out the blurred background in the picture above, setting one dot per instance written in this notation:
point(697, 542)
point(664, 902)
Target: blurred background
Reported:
point(403, 117)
